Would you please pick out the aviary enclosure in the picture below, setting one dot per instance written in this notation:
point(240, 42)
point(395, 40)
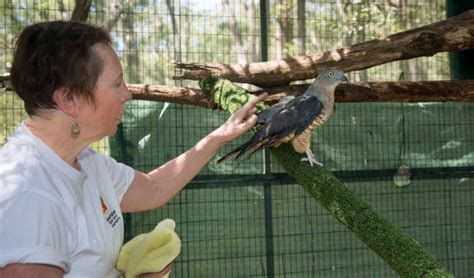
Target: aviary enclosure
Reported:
point(396, 194)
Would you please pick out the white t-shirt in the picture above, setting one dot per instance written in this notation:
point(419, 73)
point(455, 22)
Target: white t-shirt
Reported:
point(51, 213)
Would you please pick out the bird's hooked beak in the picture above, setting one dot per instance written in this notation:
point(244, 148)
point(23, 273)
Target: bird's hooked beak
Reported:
point(344, 79)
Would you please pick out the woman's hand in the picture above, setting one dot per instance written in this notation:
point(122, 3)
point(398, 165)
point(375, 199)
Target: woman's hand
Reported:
point(240, 121)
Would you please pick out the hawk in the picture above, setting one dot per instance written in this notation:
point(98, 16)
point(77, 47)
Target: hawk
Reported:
point(294, 118)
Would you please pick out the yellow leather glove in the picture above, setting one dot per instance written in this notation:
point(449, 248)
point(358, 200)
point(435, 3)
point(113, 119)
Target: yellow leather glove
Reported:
point(150, 252)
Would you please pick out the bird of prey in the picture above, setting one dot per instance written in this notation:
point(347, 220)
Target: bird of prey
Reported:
point(294, 118)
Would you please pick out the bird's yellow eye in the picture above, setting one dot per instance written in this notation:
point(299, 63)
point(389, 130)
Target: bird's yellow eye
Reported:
point(330, 74)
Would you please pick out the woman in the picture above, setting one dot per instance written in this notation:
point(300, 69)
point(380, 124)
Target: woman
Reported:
point(61, 203)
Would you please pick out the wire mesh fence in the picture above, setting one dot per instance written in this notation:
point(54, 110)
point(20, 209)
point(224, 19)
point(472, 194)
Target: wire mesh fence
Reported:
point(247, 218)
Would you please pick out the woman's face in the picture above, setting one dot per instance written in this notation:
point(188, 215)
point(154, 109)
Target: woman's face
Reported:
point(111, 93)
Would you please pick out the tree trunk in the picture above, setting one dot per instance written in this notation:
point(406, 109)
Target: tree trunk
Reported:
point(403, 254)
point(456, 33)
point(301, 37)
point(235, 30)
point(81, 10)
point(177, 54)
point(279, 30)
point(117, 10)
point(130, 51)
point(253, 28)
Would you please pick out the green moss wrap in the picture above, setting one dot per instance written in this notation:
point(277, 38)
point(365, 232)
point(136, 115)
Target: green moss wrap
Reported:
point(229, 96)
point(403, 254)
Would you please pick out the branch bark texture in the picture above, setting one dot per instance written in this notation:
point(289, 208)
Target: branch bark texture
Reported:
point(425, 91)
point(453, 34)
point(171, 94)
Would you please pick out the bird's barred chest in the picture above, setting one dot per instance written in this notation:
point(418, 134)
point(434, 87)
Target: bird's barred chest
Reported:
point(319, 121)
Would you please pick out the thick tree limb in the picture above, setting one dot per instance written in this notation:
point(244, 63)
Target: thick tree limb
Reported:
point(426, 91)
point(171, 94)
point(454, 34)
point(403, 254)
point(422, 91)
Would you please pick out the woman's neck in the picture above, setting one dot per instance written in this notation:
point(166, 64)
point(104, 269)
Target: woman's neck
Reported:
point(54, 131)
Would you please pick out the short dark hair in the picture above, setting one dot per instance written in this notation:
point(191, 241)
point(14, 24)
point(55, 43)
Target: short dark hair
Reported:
point(56, 54)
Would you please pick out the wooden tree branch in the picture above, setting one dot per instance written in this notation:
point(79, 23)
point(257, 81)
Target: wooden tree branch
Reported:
point(403, 254)
point(422, 91)
point(171, 94)
point(426, 91)
point(453, 34)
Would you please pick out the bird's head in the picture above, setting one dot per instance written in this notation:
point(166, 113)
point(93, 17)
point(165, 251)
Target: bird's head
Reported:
point(327, 81)
point(331, 76)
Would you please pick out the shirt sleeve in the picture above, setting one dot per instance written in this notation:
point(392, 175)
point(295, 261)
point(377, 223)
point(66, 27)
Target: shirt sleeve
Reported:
point(33, 230)
point(122, 176)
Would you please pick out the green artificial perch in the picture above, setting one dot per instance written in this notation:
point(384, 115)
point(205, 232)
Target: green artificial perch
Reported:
point(403, 254)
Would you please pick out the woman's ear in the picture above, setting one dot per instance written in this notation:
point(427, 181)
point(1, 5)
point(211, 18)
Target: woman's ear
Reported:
point(66, 101)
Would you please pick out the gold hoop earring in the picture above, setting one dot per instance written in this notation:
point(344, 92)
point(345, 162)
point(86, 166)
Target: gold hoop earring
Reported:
point(75, 130)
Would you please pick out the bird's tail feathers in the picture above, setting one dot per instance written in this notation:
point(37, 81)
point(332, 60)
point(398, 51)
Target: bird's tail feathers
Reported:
point(256, 148)
point(251, 146)
point(234, 154)
point(230, 156)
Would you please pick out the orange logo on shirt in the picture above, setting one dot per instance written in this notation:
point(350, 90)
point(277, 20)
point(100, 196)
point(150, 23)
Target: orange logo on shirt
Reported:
point(104, 206)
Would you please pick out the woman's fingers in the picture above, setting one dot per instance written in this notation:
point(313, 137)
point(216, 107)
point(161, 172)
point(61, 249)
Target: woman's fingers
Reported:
point(249, 108)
